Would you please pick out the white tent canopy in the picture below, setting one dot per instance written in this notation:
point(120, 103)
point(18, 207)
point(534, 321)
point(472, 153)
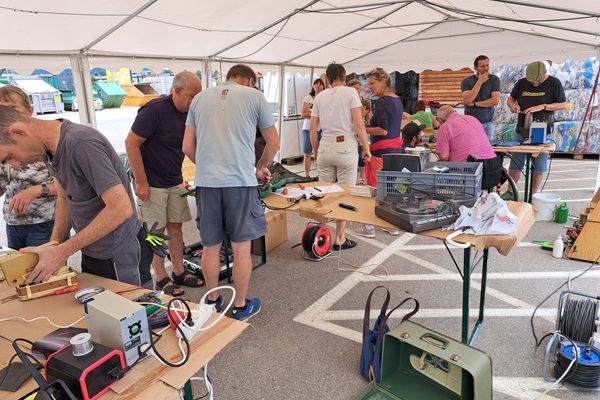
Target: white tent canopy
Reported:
point(297, 34)
point(398, 35)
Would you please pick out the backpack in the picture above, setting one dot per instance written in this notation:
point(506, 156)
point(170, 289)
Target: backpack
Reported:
point(372, 341)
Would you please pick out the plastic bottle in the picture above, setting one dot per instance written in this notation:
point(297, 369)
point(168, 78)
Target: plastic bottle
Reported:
point(558, 248)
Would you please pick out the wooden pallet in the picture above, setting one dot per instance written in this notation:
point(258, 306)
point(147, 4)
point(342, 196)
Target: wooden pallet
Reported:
point(443, 86)
point(587, 246)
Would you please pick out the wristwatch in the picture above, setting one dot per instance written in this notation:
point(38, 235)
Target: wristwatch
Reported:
point(45, 190)
point(545, 105)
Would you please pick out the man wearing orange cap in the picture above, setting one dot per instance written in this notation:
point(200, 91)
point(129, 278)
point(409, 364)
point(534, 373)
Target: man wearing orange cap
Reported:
point(540, 95)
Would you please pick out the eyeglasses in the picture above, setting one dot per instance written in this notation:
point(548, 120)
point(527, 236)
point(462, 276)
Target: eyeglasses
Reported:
point(437, 362)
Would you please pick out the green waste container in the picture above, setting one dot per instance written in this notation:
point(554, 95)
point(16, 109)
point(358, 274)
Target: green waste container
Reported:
point(111, 94)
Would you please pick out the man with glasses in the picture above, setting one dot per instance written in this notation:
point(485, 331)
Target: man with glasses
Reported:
point(155, 155)
point(220, 133)
point(540, 95)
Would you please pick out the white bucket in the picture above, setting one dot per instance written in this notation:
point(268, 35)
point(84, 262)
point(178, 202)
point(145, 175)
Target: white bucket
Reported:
point(545, 204)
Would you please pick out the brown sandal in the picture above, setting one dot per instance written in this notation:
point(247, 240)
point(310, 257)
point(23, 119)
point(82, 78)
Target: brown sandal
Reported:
point(187, 279)
point(169, 287)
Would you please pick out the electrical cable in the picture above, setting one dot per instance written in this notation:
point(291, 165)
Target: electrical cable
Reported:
point(261, 47)
point(187, 352)
point(44, 318)
point(548, 173)
point(595, 263)
point(574, 361)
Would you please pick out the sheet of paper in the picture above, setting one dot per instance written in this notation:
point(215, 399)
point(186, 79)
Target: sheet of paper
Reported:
point(295, 192)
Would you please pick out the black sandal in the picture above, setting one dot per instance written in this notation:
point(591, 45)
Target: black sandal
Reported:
point(187, 279)
point(348, 244)
point(169, 287)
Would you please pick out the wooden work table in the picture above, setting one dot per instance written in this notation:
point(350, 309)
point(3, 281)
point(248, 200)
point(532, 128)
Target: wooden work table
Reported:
point(147, 380)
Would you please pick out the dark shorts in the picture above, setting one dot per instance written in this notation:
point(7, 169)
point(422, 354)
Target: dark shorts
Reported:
point(232, 211)
point(132, 266)
point(20, 236)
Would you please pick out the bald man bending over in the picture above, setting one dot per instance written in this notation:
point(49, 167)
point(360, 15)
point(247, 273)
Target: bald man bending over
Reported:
point(154, 150)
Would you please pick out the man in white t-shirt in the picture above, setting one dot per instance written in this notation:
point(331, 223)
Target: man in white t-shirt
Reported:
point(317, 87)
point(337, 111)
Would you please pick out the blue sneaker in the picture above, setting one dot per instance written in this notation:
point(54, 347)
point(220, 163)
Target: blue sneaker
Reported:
point(218, 303)
point(251, 308)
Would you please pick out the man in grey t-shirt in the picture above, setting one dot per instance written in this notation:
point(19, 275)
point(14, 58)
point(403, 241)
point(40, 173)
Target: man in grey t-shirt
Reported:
point(481, 93)
point(220, 134)
point(94, 197)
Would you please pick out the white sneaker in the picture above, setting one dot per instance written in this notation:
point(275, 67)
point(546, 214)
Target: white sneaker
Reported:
point(366, 231)
point(393, 232)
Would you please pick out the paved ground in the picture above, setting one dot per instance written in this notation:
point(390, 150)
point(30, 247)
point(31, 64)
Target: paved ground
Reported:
point(305, 342)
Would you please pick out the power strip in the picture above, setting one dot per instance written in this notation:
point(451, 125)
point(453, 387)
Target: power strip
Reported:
point(201, 313)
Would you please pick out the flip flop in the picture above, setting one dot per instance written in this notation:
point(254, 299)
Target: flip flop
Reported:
point(348, 244)
point(187, 279)
point(169, 287)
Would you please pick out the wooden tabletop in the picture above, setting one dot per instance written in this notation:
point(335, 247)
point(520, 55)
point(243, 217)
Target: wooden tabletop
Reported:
point(328, 209)
point(527, 149)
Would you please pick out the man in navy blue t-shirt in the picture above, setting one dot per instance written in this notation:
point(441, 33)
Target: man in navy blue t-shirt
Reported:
point(481, 93)
point(154, 150)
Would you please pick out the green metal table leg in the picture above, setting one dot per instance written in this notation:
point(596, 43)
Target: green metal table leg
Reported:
point(466, 289)
point(481, 297)
point(527, 178)
point(188, 394)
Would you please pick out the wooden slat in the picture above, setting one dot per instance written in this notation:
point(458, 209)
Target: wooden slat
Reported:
point(442, 85)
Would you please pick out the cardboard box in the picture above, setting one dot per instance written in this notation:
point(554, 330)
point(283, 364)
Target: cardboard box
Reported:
point(276, 231)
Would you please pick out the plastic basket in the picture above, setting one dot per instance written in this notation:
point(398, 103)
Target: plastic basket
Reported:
point(461, 184)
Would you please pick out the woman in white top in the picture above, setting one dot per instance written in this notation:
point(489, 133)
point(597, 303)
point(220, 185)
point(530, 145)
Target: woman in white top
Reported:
point(317, 87)
point(337, 111)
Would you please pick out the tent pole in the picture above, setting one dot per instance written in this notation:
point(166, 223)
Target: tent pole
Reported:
point(119, 25)
point(597, 185)
point(349, 33)
point(547, 7)
point(483, 15)
point(206, 74)
point(281, 98)
point(80, 65)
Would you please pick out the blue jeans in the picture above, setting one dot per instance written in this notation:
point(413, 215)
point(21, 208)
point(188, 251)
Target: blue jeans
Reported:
point(489, 128)
point(20, 236)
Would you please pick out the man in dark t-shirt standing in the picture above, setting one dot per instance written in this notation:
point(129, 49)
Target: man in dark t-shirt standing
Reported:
point(93, 197)
point(154, 151)
point(481, 93)
point(540, 95)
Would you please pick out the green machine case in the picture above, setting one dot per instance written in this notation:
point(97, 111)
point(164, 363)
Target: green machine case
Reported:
point(418, 364)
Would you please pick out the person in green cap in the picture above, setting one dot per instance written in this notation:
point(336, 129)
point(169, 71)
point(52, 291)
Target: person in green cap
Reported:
point(538, 94)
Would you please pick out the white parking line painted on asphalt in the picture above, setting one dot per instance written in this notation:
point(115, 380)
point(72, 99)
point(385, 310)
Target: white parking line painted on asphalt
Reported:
point(411, 247)
point(313, 313)
point(530, 388)
point(349, 315)
point(571, 170)
point(576, 200)
point(591, 189)
point(490, 276)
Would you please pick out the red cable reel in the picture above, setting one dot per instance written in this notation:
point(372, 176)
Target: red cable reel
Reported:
point(316, 241)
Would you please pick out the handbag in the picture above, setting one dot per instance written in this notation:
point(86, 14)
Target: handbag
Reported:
point(372, 338)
